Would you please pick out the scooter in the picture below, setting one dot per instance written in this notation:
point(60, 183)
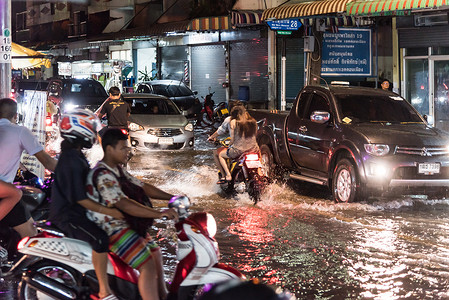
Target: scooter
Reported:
point(61, 267)
point(247, 175)
point(36, 195)
point(211, 113)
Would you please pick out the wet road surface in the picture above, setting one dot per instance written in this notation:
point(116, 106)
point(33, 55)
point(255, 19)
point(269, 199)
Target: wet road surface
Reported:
point(297, 238)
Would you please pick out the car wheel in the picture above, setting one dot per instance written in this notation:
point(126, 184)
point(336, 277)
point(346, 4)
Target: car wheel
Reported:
point(267, 160)
point(344, 182)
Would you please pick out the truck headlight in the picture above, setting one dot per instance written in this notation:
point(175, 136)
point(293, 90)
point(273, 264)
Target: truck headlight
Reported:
point(189, 127)
point(377, 149)
point(135, 127)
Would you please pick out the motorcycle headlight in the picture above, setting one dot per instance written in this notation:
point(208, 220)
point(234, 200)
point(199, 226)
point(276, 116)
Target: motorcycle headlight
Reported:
point(189, 127)
point(377, 149)
point(135, 127)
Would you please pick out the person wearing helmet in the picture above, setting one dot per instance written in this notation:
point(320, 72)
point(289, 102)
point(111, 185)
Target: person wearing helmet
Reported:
point(15, 139)
point(69, 199)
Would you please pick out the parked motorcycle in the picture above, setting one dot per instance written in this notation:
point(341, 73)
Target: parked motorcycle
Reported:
point(211, 113)
point(247, 175)
point(62, 267)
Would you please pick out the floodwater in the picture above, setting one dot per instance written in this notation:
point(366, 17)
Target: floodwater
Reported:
point(297, 238)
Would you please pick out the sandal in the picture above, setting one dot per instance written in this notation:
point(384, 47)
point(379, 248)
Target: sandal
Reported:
point(222, 181)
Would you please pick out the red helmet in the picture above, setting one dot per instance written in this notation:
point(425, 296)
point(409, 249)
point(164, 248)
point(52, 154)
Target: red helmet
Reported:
point(80, 126)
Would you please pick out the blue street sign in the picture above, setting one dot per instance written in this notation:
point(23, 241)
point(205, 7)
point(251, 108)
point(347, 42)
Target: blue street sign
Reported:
point(289, 24)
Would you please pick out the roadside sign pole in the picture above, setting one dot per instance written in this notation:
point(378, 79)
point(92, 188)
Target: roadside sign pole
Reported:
point(5, 48)
point(283, 74)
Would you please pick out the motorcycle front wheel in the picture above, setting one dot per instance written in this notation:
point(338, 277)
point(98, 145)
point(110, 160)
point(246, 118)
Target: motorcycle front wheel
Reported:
point(56, 271)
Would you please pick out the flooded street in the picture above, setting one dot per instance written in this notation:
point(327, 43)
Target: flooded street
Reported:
point(299, 239)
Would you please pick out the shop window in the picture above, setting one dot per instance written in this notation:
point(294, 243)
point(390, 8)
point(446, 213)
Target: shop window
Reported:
point(440, 50)
point(417, 51)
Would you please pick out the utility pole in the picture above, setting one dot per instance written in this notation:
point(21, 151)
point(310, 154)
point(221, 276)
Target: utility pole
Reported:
point(5, 48)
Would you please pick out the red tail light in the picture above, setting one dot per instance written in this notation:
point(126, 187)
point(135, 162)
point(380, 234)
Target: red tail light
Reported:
point(48, 121)
point(125, 132)
point(252, 157)
point(22, 242)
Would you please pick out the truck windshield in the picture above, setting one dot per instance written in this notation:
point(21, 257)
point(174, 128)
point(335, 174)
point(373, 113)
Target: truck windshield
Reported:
point(376, 108)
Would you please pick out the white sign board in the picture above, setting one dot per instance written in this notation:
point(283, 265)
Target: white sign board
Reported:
point(5, 46)
point(34, 119)
point(65, 68)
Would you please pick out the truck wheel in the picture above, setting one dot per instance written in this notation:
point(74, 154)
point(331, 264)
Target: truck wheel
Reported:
point(267, 160)
point(344, 182)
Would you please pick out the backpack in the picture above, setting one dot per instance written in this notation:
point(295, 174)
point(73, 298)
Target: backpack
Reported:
point(134, 192)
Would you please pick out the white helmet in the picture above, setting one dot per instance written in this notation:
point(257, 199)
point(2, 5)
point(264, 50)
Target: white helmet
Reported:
point(80, 125)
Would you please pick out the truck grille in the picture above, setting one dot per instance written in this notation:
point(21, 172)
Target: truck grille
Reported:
point(164, 132)
point(422, 151)
point(412, 173)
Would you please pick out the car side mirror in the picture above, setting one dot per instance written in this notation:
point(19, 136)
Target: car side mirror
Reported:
point(195, 92)
point(429, 119)
point(320, 117)
point(184, 112)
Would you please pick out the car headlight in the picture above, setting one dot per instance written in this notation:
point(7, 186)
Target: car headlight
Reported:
point(189, 127)
point(135, 127)
point(377, 149)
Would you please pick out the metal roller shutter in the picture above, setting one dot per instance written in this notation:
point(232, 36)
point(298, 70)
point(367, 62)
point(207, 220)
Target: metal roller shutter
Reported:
point(172, 59)
point(249, 67)
point(435, 36)
point(208, 70)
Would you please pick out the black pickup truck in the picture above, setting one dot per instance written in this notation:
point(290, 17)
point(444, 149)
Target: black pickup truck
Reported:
point(357, 141)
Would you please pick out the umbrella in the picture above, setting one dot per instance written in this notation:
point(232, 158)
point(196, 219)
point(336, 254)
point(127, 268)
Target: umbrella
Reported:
point(23, 57)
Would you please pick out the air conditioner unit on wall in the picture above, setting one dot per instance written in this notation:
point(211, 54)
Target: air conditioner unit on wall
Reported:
point(430, 20)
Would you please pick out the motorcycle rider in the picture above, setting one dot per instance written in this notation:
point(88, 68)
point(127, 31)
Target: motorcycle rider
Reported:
point(14, 139)
point(116, 109)
point(243, 130)
point(69, 199)
point(104, 185)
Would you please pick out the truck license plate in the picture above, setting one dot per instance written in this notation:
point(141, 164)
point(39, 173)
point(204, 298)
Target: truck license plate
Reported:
point(165, 141)
point(429, 168)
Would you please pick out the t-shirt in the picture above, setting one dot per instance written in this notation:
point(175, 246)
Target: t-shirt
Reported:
point(69, 187)
point(116, 112)
point(106, 190)
point(225, 127)
point(14, 139)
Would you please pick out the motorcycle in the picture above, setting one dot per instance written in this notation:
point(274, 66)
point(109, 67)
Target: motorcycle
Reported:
point(211, 113)
point(247, 175)
point(36, 195)
point(61, 267)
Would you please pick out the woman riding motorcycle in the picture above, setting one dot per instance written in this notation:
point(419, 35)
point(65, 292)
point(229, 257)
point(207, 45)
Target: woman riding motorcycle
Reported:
point(243, 130)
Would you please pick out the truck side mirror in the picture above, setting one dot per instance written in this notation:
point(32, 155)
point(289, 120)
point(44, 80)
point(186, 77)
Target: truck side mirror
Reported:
point(320, 117)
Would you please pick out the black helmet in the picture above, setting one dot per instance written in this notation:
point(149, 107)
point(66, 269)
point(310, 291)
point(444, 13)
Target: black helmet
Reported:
point(244, 290)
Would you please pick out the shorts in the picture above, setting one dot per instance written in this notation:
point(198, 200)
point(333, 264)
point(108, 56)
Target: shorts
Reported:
point(233, 153)
point(85, 230)
point(17, 216)
point(133, 249)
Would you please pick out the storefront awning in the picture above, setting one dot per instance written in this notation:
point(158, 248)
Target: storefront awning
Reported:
point(246, 17)
point(391, 7)
point(211, 23)
point(23, 57)
point(321, 7)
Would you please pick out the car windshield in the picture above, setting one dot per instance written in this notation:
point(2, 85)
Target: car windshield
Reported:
point(143, 106)
point(376, 108)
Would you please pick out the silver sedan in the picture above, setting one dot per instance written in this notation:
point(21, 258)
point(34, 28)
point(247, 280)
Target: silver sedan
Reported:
point(157, 123)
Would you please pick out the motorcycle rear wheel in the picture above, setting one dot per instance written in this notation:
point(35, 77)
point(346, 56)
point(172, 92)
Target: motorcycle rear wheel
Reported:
point(54, 270)
point(206, 120)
